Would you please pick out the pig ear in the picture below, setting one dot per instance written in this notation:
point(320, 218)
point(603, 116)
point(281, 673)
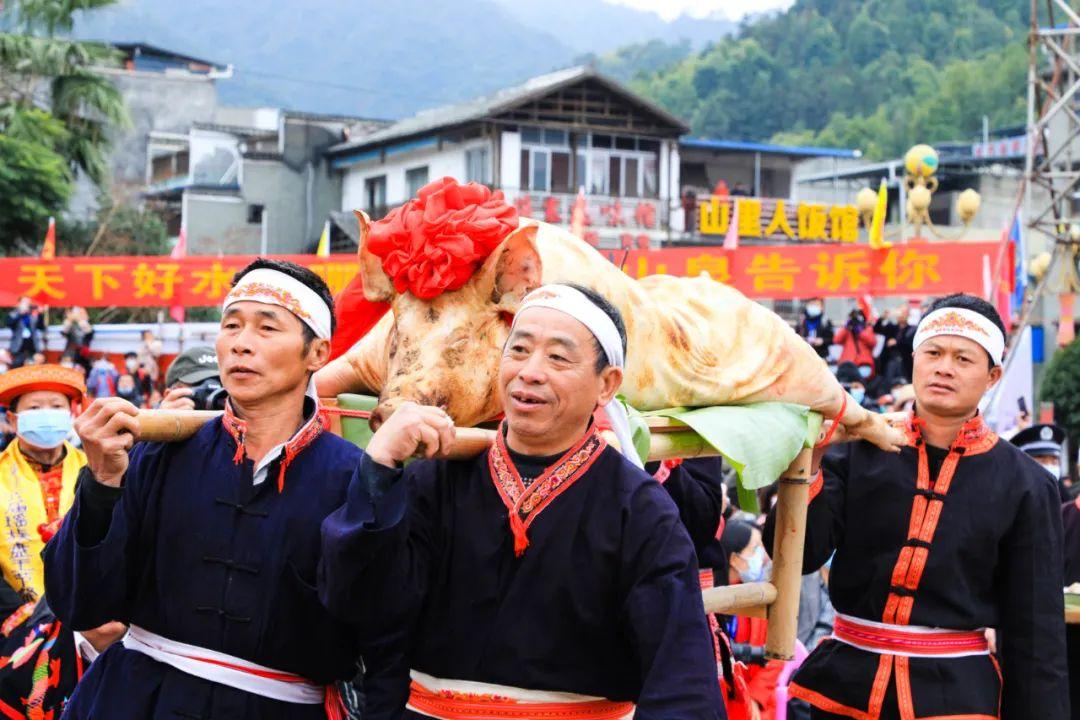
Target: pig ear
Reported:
point(513, 270)
point(377, 285)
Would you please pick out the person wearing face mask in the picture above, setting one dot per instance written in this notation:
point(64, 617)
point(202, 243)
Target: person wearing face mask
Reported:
point(857, 341)
point(144, 383)
point(1046, 444)
point(815, 328)
point(37, 470)
point(128, 389)
point(748, 562)
point(38, 474)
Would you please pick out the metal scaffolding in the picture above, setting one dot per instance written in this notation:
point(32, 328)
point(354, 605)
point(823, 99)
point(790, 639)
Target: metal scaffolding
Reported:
point(1053, 148)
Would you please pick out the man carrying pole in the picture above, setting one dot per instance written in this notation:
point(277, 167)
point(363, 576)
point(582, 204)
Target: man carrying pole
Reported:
point(548, 577)
point(957, 533)
point(208, 547)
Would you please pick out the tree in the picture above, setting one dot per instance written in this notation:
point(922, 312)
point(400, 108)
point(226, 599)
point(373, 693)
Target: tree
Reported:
point(1061, 386)
point(56, 111)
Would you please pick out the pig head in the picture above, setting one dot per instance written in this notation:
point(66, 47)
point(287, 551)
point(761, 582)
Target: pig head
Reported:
point(445, 351)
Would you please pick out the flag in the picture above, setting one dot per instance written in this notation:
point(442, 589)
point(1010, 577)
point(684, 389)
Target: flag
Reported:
point(988, 280)
point(324, 241)
point(1016, 235)
point(48, 250)
point(731, 240)
point(1001, 406)
point(877, 223)
point(866, 304)
point(179, 252)
point(577, 215)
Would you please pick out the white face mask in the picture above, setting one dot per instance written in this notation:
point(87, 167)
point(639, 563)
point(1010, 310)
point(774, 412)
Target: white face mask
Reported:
point(1052, 468)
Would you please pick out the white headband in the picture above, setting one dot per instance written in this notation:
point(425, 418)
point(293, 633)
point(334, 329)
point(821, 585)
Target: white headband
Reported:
point(574, 303)
point(273, 287)
point(964, 323)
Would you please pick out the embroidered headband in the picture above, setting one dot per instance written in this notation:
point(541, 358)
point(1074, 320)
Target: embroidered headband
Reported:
point(964, 323)
point(577, 305)
point(273, 287)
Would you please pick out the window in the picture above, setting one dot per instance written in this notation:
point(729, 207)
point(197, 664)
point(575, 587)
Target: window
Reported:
point(524, 182)
point(560, 172)
point(539, 170)
point(598, 175)
point(534, 136)
point(601, 141)
point(476, 165)
point(630, 186)
point(625, 143)
point(649, 187)
point(415, 178)
point(255, 214)
point(555, 137)
point(615, 175)
point(375, 194)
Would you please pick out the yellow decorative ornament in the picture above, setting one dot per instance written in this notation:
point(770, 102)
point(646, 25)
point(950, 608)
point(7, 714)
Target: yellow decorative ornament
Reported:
point(967, 204)
point(865, 201)
point(921, 161)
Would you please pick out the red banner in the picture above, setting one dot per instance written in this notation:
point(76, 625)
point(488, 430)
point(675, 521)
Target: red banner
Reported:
point(783, 272)
point(766, 271)
point(194, 281)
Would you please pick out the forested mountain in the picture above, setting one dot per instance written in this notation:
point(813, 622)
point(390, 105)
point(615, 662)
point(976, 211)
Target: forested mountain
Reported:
point(878, 75)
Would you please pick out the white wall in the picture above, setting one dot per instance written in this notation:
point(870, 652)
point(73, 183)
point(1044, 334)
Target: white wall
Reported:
point(510, 161)
point(449, 162)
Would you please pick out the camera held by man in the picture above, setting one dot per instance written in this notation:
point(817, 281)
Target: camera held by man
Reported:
point(193, 382)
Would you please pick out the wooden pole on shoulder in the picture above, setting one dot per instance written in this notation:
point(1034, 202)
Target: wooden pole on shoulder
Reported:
point(791, 500)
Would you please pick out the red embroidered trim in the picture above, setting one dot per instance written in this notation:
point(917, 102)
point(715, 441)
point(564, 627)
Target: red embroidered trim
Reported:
point(306, 435)
point(894, 639)
point(525, 504)
point(451, 705)
point(256, 289)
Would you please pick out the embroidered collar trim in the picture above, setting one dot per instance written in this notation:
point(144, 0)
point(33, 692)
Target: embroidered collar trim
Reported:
point(525, 504)
point(306, 435)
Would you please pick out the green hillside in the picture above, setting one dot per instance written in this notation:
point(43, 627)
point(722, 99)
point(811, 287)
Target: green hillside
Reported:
point(878, 75)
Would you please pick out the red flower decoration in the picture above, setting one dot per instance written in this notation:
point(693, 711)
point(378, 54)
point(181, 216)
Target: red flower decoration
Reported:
point(436, 241)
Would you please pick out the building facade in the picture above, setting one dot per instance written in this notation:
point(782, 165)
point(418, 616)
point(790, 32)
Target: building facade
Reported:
point(541, 143)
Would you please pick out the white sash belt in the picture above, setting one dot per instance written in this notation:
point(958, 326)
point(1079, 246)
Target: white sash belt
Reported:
point(225, 669)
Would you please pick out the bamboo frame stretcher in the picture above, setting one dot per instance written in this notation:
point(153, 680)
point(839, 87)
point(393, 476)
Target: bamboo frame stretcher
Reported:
point(777, 600)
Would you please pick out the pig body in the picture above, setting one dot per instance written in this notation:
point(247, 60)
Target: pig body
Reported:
point(691, 341)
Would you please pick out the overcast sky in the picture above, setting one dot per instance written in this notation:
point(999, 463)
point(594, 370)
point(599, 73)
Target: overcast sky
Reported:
point(733, 9)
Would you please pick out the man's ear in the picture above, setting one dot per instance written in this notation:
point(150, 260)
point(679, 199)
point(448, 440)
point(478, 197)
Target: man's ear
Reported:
point(610, 381)
point(512, 271)
point(318, 354)
point(995, 375)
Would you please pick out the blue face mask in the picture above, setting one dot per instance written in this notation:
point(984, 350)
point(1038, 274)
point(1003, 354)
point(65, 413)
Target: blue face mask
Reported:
point(756, 570)
point(858, 394)
point(865, 371)
point(45, 427)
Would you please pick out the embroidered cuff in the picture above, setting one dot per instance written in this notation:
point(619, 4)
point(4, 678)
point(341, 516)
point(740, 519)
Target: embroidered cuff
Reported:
point(816, 486)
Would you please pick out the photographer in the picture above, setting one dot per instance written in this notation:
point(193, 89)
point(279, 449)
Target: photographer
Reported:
point(27, 325)
point(193, 382)
point(857, 340)
point(78, 333)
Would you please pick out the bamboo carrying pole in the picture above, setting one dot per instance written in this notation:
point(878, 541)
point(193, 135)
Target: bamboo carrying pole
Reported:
point(792, 498)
